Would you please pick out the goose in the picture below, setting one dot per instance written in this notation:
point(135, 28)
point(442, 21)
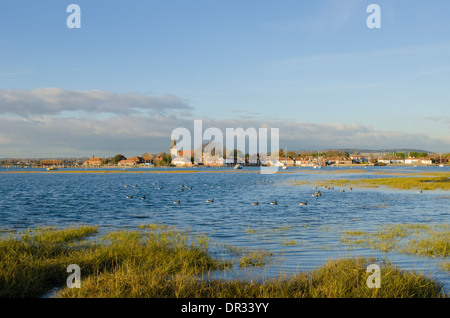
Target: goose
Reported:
point(143, 198)
point(255, 203)
point(134, 185)
point(160, 188)
point(314, 188)
point(209, 201)
point(350, 188)
point(342, 190)
point(130, 196)
point(304, 203)
point(126, 186)
point(181, 189)
point(420, 191)
point(274, 203)
point(177, 202)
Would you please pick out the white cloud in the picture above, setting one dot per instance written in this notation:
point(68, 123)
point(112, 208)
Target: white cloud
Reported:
point(39, 130)
point(55, 101)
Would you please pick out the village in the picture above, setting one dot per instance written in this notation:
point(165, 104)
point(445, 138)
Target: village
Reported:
point(209, 158)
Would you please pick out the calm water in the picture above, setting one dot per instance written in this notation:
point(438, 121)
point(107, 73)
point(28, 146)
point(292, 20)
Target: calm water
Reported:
point(59, 199)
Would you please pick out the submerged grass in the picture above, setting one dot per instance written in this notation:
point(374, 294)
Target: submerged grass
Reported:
point(169, 263)
point(419, 239)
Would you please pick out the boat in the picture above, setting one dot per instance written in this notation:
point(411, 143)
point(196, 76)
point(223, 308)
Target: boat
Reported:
point(441, 165)
point(238, 166)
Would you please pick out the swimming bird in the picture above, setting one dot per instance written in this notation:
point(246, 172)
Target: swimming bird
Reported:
point(209, 201)
point(177, 202)
point(134, 185)
point(126, 186)
point(342, 190)
point(143, 198)
point(314, 188)
point(160, 188)
point(304, 203)
point(255, 203)
point(420, 191)
point(274, 202)
point(181, 189)
point(350, 188)
point(130, 196)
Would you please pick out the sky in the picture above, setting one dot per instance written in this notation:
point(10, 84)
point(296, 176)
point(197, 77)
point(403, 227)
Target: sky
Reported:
point(136, 70)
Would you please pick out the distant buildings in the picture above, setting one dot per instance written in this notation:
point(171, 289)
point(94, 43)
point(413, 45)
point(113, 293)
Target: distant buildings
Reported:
point(50, 163)
point(93, 161)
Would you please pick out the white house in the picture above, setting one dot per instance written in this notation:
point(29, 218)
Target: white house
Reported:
point(426, 161)
point(412, 161)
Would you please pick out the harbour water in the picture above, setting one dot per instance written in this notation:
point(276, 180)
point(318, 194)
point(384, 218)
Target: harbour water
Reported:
point(35, 197)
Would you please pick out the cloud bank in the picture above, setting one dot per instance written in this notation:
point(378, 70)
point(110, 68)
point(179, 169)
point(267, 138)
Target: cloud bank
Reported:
point(51, 122)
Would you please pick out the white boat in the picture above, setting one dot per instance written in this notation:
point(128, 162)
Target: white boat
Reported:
point(238, 166)
point(441, 165)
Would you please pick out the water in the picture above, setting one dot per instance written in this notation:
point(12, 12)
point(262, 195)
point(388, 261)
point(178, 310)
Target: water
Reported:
point(29, 200)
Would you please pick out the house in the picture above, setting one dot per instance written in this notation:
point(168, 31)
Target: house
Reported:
point(181, 161)
point(358, 159)
point(52, 162)
point(138, 160)
point(158, 158)
point(343, 161)
point(213, 161)
point(93, 161)
point(288, 161)
point(386, 161)
point(128, 162)
point(426, 161)
point(412, 161)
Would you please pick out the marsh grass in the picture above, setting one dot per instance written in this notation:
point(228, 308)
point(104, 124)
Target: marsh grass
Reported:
point(429, 181)
point(35, 261)
point(168, 263)
point(419, 239)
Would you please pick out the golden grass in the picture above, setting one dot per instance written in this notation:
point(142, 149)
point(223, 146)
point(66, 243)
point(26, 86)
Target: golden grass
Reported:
point(429, 181)
point(161, 263)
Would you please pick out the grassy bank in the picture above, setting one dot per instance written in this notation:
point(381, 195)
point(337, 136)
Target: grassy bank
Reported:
point(431, 181)
point(157, 261)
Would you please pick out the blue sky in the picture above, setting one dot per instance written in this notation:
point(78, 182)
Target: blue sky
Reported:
point(313, 64)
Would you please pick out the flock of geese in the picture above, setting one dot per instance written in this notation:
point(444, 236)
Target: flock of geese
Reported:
point(183, 187)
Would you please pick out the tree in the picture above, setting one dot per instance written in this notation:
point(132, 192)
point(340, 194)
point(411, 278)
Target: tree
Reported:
point(292, 154)
point(117, 158)
point(106, 161)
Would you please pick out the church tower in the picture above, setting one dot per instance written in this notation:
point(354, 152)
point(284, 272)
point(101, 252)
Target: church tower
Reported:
point(173, 149)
